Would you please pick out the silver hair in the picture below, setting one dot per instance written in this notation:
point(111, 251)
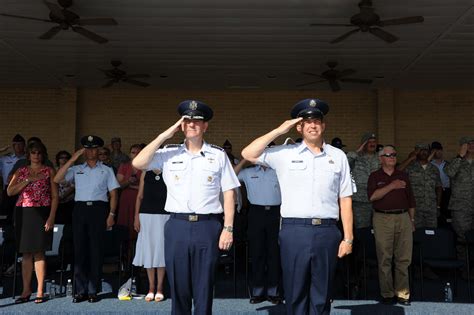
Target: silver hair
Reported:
point(384, 147)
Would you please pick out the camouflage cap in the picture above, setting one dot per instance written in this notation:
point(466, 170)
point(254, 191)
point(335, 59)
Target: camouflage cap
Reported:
point(465, 139)
point(367, 136)
point(422, 146)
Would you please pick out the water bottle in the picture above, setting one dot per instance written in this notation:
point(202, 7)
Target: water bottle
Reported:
point(448, 293)
point(69, 287)
point(133, 289)
point(52, 294)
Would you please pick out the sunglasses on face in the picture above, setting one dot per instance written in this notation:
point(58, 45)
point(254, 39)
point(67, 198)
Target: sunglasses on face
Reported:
point(389, 155)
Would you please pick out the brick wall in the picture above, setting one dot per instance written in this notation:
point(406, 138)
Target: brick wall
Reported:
point(402, 117)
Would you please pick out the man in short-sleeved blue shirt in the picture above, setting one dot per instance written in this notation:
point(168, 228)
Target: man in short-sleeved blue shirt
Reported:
point(195, 174)
point(92, 214)
point(316, 190)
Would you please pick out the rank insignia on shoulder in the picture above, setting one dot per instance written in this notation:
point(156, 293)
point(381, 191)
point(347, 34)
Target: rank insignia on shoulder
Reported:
point(174, 145)
point(216, 147)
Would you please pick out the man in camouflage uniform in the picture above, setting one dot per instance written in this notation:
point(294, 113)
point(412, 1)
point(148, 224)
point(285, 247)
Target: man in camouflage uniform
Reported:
point(363, 162)
point(461, 204)
point(426, 184)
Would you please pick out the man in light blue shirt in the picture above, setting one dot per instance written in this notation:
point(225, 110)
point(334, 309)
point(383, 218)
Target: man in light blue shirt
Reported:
point(263, 193)
point(92, 215)
point(315, 183)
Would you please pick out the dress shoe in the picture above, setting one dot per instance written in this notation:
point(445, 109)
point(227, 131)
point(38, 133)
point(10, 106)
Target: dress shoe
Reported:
point(275, 300)
point(257, 299)
point(387, 300)
point(93, 298)
point(78, 298)
point(404, 302)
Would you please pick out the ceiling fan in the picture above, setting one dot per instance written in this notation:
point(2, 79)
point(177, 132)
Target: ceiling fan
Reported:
point(117, 75)
point(333, 76)
point(368, 21)
point(68, 20)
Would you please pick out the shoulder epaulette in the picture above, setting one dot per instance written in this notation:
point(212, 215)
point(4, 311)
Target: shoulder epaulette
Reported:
point(175, 145)
point(216, 147)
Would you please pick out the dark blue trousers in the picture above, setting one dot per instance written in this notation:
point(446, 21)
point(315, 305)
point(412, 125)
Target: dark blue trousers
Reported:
point(88, 224)
point(191, 253)
point(308, 260)
point(263, 228)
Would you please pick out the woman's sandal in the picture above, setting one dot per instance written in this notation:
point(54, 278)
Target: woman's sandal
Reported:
point(23, 299)
point(159, 297)
point(40, 299)
point(149, 297)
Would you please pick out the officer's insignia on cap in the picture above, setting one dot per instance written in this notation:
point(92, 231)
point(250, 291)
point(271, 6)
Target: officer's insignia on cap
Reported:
point(312, 103)
point(90, 138)
point(209, 179)
point(157, 177)
point(193, 105)
point(176, 177)
point(331, 162)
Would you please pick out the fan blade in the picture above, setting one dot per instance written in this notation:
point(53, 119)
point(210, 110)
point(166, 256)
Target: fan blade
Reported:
point(97, 21)
point(334, 85)
point(52, 31)
point(109, 84)
point(346, 72)
point(25, 17)
point(55, 10)
point(313, 74)
point(92, 36)
point(309, 83)
point(136, 76)
point(341, 38)
point(322, 24)
point(399, 21)
point(380, 33)
point(135, 82)
point(354, 80)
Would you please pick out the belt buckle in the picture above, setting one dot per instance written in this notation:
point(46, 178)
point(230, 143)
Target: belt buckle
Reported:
point(193, 218)
point(89, 203)
point(316, 221)
point(267, 207)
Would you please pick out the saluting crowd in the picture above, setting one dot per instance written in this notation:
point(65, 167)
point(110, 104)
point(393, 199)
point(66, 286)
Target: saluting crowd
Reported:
point(304, 201)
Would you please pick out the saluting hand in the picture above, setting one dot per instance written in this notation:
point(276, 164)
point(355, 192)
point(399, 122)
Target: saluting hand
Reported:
point(463, 150)
point(77, 154)
point(344, 249)
point(288, 124)
point(361, 148)
point(169, 133)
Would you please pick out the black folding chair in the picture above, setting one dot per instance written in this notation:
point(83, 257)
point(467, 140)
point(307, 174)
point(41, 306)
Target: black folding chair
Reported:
point(365, 241)
point(469, 257)
point(436, 249)
point(114, 243)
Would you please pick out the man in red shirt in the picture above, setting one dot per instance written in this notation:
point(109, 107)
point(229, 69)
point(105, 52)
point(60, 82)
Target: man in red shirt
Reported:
point(392, 198)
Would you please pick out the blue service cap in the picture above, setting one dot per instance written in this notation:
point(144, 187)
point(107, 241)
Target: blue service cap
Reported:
point(310, 108)
point(195, 110)
point(91, 141)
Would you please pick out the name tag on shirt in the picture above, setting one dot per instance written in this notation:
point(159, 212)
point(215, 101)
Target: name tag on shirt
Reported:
point(254, 177)
point(177, 162)
point(80, 173)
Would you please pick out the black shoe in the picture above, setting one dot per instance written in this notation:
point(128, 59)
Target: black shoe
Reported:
point(23, 299)
point(275, 300)
point(78, 298)
point(93, 298)
point(404, 302)
point(257, 299)
point(387, 300)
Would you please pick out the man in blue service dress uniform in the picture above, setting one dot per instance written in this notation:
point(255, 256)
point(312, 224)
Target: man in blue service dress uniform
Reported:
point(92, 214)
point(315, 181)
point(195, 174)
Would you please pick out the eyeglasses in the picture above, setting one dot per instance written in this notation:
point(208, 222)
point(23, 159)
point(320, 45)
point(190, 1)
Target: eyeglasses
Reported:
point(388, 155)
point(64, 157)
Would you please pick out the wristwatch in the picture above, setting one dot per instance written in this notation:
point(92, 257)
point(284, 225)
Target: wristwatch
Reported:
point(348, 241)
point(229, 228)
